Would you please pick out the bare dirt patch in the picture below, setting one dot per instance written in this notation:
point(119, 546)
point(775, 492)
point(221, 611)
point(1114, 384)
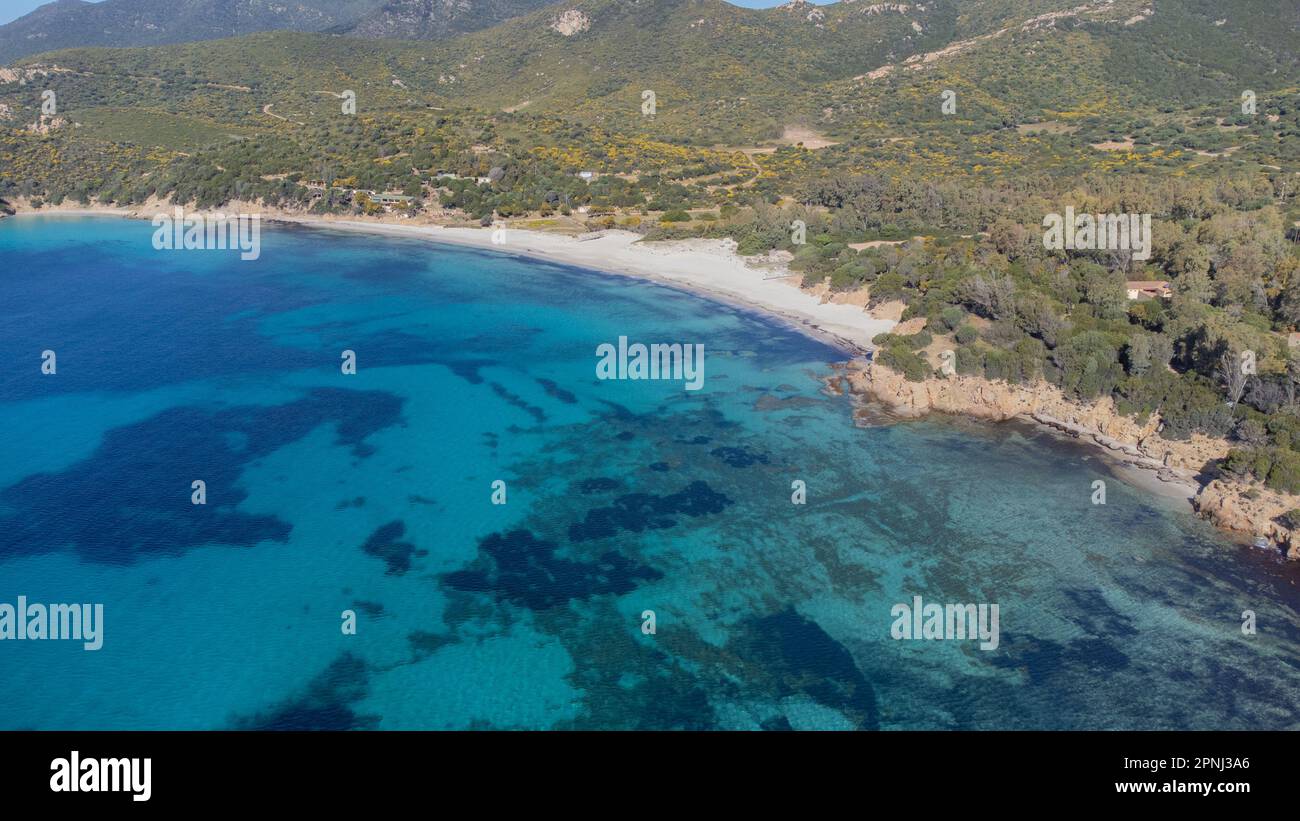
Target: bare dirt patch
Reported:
point(811, 140)
point(892, 311)
point(1114, 145)
point(877, 243)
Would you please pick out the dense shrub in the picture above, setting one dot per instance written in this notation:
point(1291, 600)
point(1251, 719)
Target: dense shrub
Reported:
point(901, 358)
point(1275, 467)
point(950, 318)
point(1186, 405)
point(889, 287)
point(1087, 365)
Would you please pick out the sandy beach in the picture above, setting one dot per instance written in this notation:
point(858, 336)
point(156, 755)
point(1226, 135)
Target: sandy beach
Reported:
point(707, 267)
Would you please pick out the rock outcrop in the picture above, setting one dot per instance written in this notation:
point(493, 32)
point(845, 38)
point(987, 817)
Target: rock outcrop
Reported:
point(1251, 510)
point(1240, 507)
point(571, 22)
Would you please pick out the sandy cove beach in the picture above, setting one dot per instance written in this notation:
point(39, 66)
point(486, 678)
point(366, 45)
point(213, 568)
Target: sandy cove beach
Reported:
point(712, 269)
point(707, 267)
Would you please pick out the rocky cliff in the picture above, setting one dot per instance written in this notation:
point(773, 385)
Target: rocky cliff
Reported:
point(1245, 509)
point(1252, 511)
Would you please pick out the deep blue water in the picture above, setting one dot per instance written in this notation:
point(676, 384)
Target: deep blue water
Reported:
point(372, 493)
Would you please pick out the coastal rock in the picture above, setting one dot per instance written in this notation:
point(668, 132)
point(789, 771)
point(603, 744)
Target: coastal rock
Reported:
point(1241, 508)
point(1251, 510)
point(1099, 421)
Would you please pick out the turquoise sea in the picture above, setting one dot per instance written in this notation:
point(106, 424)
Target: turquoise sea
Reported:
point(372, 492)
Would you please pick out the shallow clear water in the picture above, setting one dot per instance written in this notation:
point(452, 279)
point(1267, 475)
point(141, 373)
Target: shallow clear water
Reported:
point(372, 492)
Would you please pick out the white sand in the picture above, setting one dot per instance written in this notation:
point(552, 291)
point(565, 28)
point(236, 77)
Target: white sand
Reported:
point(707, 267)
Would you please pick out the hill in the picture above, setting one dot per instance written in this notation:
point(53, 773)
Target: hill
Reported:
point(125, 23)
point(434, 19)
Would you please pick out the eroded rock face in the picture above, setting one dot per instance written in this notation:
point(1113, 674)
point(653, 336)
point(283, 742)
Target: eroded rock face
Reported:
point(571, 22)
point(1251, 510)
point(999, 401)
point(46, 124)
point(1240, 507)
point(25, 74)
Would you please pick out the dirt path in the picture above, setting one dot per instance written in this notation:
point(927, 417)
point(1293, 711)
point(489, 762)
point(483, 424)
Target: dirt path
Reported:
point(266, 109)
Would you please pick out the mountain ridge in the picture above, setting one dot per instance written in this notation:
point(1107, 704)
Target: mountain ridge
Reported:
point(138, 23)
point(434, 19)
point(725, 74)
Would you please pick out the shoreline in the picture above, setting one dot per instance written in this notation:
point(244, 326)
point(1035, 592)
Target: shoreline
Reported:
point(704, 267)
point(875, 384)
point(711, 270)
point(1174, 487)
point(1178, 472)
